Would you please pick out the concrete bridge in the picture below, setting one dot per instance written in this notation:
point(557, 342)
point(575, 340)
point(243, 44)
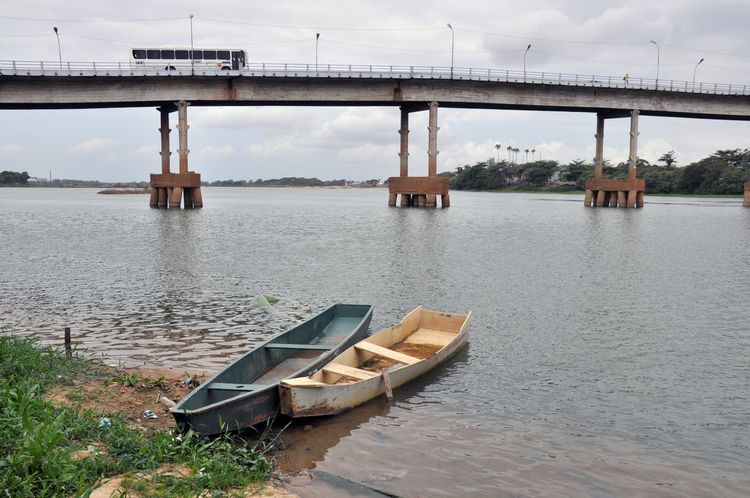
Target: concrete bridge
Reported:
point(54, 85)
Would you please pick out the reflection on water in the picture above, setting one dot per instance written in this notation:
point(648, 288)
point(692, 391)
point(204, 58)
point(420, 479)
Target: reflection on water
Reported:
point(608, 350)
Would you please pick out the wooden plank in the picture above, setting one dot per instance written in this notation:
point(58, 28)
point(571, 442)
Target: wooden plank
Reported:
point(387, 382)
point(431, 336)
point(303, 382)
point(315, 347)
point(354, 373)
point(228, 386)
point(386, 353)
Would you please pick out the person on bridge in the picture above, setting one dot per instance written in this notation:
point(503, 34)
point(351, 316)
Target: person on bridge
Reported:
point(626, 78)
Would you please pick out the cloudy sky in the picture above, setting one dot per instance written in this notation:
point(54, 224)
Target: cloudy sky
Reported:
point(572, 36)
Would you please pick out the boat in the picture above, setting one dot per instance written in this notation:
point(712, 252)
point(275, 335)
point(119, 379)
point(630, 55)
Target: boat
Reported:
point(245, 393)
point(376, 364)
point(265, 300)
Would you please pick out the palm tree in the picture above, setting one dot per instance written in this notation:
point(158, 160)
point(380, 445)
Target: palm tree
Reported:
point(527, 155)
point(509, 148)
point(532, 154)
point(497, 146)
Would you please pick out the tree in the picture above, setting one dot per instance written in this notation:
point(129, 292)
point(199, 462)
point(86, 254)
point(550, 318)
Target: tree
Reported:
point(668, 158)
point(14, 178)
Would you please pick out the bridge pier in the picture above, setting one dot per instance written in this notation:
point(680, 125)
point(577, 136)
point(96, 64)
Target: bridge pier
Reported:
point(746, 201)
point(420, 191)
point(175, 189)
point(614, 192)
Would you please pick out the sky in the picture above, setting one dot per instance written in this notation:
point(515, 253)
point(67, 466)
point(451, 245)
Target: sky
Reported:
point(571, 36)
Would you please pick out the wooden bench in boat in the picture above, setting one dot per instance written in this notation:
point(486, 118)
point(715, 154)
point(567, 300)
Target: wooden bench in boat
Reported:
point(229, 386)
point(312, 347)
point(386, 353)
point(354, 373)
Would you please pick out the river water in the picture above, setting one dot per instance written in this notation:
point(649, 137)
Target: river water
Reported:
point(608, 352)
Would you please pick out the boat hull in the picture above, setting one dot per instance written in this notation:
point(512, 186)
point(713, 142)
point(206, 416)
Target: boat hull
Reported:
point(318, 400)
point(245, 393)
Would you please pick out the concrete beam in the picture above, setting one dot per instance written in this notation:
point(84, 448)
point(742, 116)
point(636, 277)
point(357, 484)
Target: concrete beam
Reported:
point(599, 159)
point(164, 130)
point(404, 149)
point(633, 168)
point(182, 128)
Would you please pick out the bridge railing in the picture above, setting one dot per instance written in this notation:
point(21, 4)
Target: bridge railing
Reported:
point(128, 69)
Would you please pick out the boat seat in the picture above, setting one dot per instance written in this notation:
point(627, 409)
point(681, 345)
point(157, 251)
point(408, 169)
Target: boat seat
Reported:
point(228, 386)
point(312, 347)
point(354, 373)
point(386, 353)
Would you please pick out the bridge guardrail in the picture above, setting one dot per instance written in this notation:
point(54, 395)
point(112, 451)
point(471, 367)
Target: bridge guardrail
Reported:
point(129, 69)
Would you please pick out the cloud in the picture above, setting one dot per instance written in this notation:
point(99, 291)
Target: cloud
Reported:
point(101, 147)
point(146, 150)
point(12, 149)
point(212, 151)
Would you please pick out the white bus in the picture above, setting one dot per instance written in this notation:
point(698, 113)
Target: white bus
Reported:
point(169, 58)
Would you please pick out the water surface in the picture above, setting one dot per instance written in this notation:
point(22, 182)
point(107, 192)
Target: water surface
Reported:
point(608, 352)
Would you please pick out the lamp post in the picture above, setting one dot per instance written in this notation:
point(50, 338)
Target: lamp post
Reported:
point(524, 62)
point(694, 70)
point(59, 52)
point(453, 39)
point(192, 58)
point(657, 62)
point(317, 37)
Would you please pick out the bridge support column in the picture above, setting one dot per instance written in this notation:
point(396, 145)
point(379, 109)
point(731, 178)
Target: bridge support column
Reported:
point(605, 192)
point(418, 190)
point(171, 189)
point(746, 202)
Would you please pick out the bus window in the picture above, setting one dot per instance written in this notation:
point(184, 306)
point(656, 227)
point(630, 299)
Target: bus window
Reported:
point(180, 54)
point(153, 54)
point(209, 54)
point(197, 54)
point(222, 55)
point(139, 54)
point(167, 54)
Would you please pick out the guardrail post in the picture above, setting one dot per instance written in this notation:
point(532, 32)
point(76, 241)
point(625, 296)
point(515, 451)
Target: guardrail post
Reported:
point(94, 63)
point(411, 71)
point(14, 69)
point(715, 85)
point(507, 76)
point(41, 67)
point(469, 73)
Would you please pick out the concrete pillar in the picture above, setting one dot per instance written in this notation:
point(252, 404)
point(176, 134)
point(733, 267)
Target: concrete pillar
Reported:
point(633, 146)
point(175, 197)
point(432, 151)
point(746, 201)
point(445, 200)
point(632, 198)
point(164, 129)
point(182, 128)
point(599, 158)
point(588, 198)
point(163, 197)
point(154, 201)
point(392, 199)
point(404, 151)
point(405, 200)
point(197, 198)
point(621, 198)
point(639, 199)
point(601, 198)
point(612, 199)
point(187, 194)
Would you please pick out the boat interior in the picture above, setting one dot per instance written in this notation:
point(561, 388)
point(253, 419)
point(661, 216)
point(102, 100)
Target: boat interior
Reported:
point(285, 356)
point(419, 336)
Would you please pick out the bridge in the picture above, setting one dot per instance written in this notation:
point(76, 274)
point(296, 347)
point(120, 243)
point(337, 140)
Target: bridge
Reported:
point(70, 85)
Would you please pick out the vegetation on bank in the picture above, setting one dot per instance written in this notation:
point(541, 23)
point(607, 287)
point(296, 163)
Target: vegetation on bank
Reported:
point(52, 450)
point(722, 173)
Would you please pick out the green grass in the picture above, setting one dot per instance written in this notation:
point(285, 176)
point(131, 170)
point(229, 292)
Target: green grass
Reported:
point(37, 438)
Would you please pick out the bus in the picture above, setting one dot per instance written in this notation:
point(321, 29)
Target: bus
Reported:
point(169, 58)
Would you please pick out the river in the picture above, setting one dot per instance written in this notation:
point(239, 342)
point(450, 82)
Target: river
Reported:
point(608, 353)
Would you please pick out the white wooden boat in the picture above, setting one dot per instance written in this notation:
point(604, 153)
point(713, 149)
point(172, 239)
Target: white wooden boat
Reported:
point(394, 356)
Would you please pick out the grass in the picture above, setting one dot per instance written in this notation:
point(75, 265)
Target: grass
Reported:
point(38, 439)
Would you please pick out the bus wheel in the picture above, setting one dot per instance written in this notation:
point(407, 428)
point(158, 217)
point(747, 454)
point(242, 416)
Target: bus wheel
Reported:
point(169, 68)
point(225, 68)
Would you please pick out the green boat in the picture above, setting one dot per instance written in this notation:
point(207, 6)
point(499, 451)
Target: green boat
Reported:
point(246, 392)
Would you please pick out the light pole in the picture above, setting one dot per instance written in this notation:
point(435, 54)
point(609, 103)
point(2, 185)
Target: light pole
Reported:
point(657, 62)
point(524, 62)
point(694, 70)
point(192, 58)
point(317, 37)
point(59, 52)
point(453, 39)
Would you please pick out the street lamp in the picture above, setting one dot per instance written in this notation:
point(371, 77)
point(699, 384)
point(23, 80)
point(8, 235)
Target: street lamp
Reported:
point(192, 56)
point(524, 62)
point(59, 52)
point(694, 70)
point(657, 63)
point(317, 37)
point(453, 38)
